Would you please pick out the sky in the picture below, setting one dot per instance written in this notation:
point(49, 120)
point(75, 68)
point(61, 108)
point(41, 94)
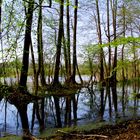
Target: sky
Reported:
point(86, 29)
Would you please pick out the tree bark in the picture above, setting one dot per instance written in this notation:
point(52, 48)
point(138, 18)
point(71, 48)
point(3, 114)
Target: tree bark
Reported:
point(100, 43)
point(65, 55)
point(74, 43)
point(1, 42)
point(59, 41)
point(68, 40)
point(124, 24)
point(108, 36)
point(114, 14)
point(22, 108)
point(40, 47)
point(27, 43)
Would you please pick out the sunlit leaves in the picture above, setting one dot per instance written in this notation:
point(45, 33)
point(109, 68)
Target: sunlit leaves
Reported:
point(123, 41)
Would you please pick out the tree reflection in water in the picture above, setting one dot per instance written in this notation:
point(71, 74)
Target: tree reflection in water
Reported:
point(89, 105)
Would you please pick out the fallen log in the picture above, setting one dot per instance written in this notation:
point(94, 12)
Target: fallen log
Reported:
point(82, 135)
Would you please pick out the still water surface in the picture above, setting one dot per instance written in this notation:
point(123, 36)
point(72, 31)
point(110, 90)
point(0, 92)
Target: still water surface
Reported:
point(85, 104)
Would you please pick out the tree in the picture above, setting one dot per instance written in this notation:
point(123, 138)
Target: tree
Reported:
point(59, 41)
point(65, 55)
point(1, 42)
point(22, 107)
point(40, 47)
point(27, 43)
point(68, 41)
point(109, 39)
point(100, 42)
point(74, 43)
point(114, 17)
point(124, 32)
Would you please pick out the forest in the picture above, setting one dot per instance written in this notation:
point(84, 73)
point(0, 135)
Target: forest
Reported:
point(68, 63)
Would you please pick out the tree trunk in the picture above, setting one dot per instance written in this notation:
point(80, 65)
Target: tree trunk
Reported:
point(109, 60)
point(124, 24)
point(22, 108)
point(74, 43)
point(68, 40)
point(40, 47)
point(114, 14)
point(27, 43)
point(114, 73)
point(100, 43)
point(65, 55)
point(34, 69)
point(1, 42)
point(108, 35)
point(59, 41)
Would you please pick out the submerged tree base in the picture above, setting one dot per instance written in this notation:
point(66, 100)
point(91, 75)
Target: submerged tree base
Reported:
point(63, 90)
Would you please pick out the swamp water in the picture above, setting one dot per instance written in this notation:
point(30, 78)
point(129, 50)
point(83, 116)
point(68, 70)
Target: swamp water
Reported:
point(88, 105)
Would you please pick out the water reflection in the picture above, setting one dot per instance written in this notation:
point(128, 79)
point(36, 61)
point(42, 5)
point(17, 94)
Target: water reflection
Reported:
point(88, 105)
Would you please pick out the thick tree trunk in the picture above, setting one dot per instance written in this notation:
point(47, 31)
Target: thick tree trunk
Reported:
point(58, 51)
point(21, 106)
point(27, 43)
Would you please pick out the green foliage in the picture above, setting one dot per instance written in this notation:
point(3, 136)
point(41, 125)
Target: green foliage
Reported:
point(84, 69)
point(123, 41)
point(125, 64)
point(132, 96)
point(10, 68)
point(91, 48)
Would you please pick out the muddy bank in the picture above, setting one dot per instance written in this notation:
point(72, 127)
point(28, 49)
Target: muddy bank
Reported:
point(128, 130)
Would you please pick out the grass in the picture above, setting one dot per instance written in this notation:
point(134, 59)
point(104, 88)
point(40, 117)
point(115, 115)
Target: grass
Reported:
point(53, 132)
point(83, 128)
point(11, 138)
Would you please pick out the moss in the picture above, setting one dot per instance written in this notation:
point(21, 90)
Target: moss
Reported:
point(100, 128)
point(11, 138)
point(64, 90)
point(49, 133)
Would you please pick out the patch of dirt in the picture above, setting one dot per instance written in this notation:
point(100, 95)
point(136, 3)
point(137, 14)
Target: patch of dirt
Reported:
point(129, 130)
